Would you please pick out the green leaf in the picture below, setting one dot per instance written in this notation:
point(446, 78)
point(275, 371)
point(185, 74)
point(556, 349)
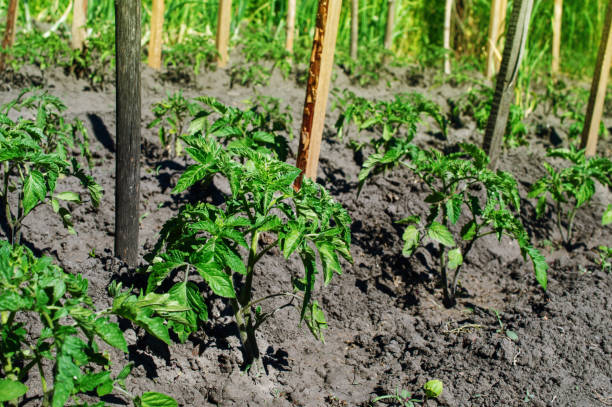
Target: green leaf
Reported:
point(11, 390)
point(416, 219)
point(455, 259)
point(153, 399)
point(435, 197)
point(329, 260)
point(217, 280)
point(191, 175)
point(34, 191)
point(540, 266)
point(512, 335)
point(453, 208)
point(231, 259)
point(468, 231)
point(111, 333)
point(291, 239)
point(607, 216)
point(441, 234)
point(68, 196)
point(411, 238)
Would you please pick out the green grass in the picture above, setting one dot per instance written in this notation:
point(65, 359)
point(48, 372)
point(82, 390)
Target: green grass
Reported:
point(417, 35)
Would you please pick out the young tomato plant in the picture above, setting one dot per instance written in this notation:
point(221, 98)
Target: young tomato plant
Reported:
point(69, 338)
point(172, 116)
point(571, 187)
point(241, 128)
point(34, 154)
point(454, 180)
point(223, 245)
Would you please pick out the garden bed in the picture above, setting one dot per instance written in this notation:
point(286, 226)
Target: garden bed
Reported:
point(388, 329)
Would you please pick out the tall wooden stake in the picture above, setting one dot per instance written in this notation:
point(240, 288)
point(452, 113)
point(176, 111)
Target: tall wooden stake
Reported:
point(127, 192)
point(506, 80)
point(390, 24)
point(495, 24)
point(79, 20)
point(354, 29)
point(448, 12)
point(556, 45)
point(157, 27)
point(315, 105)
point(598, 88)
point(291, 6)
point(223, 32)
point(9, 32)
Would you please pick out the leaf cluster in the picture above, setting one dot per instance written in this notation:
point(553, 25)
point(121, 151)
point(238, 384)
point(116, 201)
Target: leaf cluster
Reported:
point(34, 154)
point(171, 117)
point(476, 103)
point(242, 128)
point(570, 187)
point(69, 337)
point(70, 332)
point(406, 110)
point(193, 53)
point(221, 245)
point(258, 48)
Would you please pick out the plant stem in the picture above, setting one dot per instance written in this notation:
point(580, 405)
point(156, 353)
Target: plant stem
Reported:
point(570, 227)
point(448, 301)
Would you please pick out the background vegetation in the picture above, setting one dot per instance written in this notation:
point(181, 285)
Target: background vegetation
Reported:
point(417, 35)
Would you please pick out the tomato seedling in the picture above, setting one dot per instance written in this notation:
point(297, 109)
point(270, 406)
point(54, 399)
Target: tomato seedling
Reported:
point(224, 244)
point(571, 187)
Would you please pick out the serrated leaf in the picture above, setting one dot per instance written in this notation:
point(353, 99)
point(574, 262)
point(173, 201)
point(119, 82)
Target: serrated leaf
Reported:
point(468, 231)
point(540, 266)
point(455, 259)
point(68, 196)
point(34, 190)
point(111, 333)
point(416, 219)
point(453, 208)
point(411, 238)
point(292, 239)
point(441, 234)
point(435, 197)
point(191, 175)
point(153, 399)
point(329, 260)
point(217, 280)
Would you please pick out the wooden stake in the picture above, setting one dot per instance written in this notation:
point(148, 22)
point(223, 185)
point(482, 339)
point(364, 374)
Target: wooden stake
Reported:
point(506, 80)
point(9, 32)
point(556, 45)
point(447, 34)
point(79, 20)
point(127, 192)
point(157, 27)
point(291, 6)
point(315, 105)
point(594, 112)
point(390, 24)
point(503, 7)
point(494, 24)
point(223, 32)
point(354, 29)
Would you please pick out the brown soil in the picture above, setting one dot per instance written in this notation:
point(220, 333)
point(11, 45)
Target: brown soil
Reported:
point(387, 329)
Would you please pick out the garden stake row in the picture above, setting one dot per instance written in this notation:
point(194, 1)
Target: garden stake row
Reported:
point(155, 42)
point(223, 31)
point(390, 24)
point(448, 12)
point(9, 33)
point(127, 161)
point(496, 28)
point(319, 78)
point(506, 80)
point(598, 88)
point(79, 20)
point(291, 6)
point(354, 28)
point(556, 43)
